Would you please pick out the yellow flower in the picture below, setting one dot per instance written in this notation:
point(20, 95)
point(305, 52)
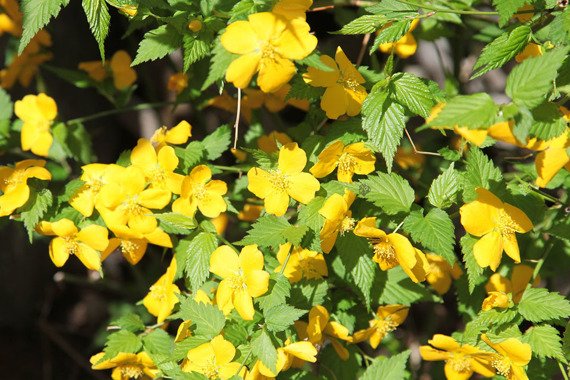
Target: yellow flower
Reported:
point(220, 223)
point(127, 366)
point(161, 298)
point(497, 223)
point(84, 244)
point(266, 43)
point(133, 245)
point(440, 273)
point(474, 136)
point(198, 192)
point(391, 250)
point(243, 278)
point(511, 357)
point(95, 69)
point(274, 101)
point(268, 143)
point(406, 46)
point(501, 290)
point(177, 82)
point(14, 183)
point(552, 159)
point(292, 9)
point(11, 18)
point(387, 318)
point(524, 17)
point(213, 359)
point(344, 92)
point(302, 263)
point(119, 67)
point(195, 25)
point(250, 212)
point(348, 160)
point(320, 327)
point(461, 361)
point(288, 180)
point(338, 218)
point(37, 112)
point(129, 10)
point(530, 50)
point(304, 351)
point(175, 136)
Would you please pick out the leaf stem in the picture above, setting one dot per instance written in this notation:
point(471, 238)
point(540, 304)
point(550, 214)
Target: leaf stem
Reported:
point(540, 263)
point(138, 107)
point(230, 168)
point(286, 260)
point(563, 371)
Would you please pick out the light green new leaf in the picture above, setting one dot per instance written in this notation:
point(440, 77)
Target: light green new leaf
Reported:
point(158, 342)
point(355, 254)
point(545, 342)
point(263, 348)
point(130, 322)
point(98, 17)
point(471, 111)
point(389, 191)
point(37, 14)
point(121, 341)
point(175, 223)
point(538, 304)
point(479, 172)
point(444, 188)
point(363, 24)
point(217, 142)
point(194, 256)
point(279, 317)
point(34, 209)
point(279, 290)
point(267, 231)
point(209, 319)
point(507, 8)
point(411, 92)
point(393, 9)
point(390, 33)
point(194, 50)
point(157, 43)
point(393, 368)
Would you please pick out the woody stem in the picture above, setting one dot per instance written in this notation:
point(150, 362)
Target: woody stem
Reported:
point(138, 107)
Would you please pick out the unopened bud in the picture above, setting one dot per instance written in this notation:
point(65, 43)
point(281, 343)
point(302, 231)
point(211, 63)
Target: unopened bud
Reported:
point(195, 25)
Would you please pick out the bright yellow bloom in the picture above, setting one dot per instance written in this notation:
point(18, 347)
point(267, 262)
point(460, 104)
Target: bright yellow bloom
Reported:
point(37, 112)
point(119, 67)
point(288, 180)
point(133, 245)
point(474, 136)
point(161, 298)
point(198, 192)
point(14, 183)
point(243, 278)
point(292, 9)
point(94, 176)
point(220, 223)
point(501, 291)
point(530, 50)
point(344, 92)
point(85, 244)
point(302, 263)
point(552, 159)
point(174, 136)
point(268, 143)
point(213, 359)
point(348, 160)
point(250, 212)
point(391, 250)
point(406, 46)
point(127, 366)
point(440, 273)
point(320, 327)
point(338, 218)
point(387, 318)
point(461, 361)
point(497, 223)
point(304, 351)
point(267, 43)
point(177, 82)
point(511, 357)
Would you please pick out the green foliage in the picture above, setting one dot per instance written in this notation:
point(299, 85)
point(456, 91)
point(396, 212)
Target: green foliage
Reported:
point(194, 257)
point(157, 43)
point(479, 172)
point(391, 33)
point(395, 287)
point(37, 13)
point(393, 367)
point(35, 209)
point(413, 93)
point(263, 348)
point(129, 322)
point(538, 305)
point(121, 341)
point(209, 320)
point(474, 271)
point(217, 142)
point(175, 223)
point(279, 291)
point(99, 18)
point(434, 231)
point(194, 50)
point(359, 266)
point(548, 122)
point(280, 317)
point(390, 192)
point(443, 189)
point(545, 342)
point(363, 24)
point(6, 105)
point(271, 231)
point(507, 8)
point(218, 64)
point(471, 111)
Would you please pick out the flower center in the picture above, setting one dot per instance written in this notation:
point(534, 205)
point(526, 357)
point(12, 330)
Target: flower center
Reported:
point(459, 362)
point(158, 292)
point(348, 82)
point(210, 370)
point(502, 364)
point(132, 206)
point(347, 225)
point(157, 176)
point(199, 191)
point(71, 245)
point(268, 52)
point(278, 180)
point(384, 326)
point(346, 163)
point(505, 223)
point(129, 247)
point(237, 281)
point(385, 252)
point(131, 371)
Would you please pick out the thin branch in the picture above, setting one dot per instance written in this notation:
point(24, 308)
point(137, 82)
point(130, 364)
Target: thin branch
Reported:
point(138, 107)
point(365, 41)
point(238, 113)
point(414, 146)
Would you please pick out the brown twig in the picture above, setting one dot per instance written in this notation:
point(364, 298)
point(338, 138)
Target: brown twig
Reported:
point(415, 149)
point(238, 114)
point(365, 41)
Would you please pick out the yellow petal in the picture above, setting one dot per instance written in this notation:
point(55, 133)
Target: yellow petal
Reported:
point(334, 101)
point(58, 251)
point(274, 73)
point(277, 202)
point(328, 160)
point(259, 182)
point(334, 208)
point(302, 187)
point(520, 219)
point(89, 257)
point(406, 46)
point(257, 282)
point(224, 262)
point(366, 227)
point(320, 78)
point(242, 69)
point(292, 159)
point(239, 38)
point(224, 351)
point(498, 283)
point(303, 350)
point(495, 300)
point(488, 250)
point(521, 276)
point(405, 251)
point(478, 217)
point(430, 354)
point(511, 247)
point(94, 236)
point(444, 342)
point(244, 304)
point(548, 163)
point(296, 42)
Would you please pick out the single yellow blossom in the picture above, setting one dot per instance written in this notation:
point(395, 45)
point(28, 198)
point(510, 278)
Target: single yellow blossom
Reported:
point(387, 318)
point(243, 278)
point(37, 112)
point(461, 361)
point(302, 263)
point(440, 273)
point(10, 18)
point(250, 211)
point(510, 358)
point(496, 223)
point(174, 136)
point(213, 359)
point(288, 180)
point(268, 143)
point(267, 43)
point(286, 355)
point(501, 291)
point(344, 92)
point(161, 298)
point(177, 82)
point(391, 250)
point(292, 9)
point(200, 192)
point(338, 218)
point(220, 223)
point(553, 158)
point(406, 46)
point(348, 160)
point(530, 50)
point(127, 366)
point(14, 183)
point(86, 243)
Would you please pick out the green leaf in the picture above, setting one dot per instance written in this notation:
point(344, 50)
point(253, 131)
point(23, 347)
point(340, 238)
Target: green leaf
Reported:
point(393, 368)
point(485, 321)
point(158, 342)
point(390, 33)
point(191, 155)
point(308, 293)
point(545, 342)
point(435, 232)
point(443, 189)
point(560, 28)
point(121, 341)
point(390, 192)
point(6, 105)
point(78, 143)
point(217, 142)
point(474, 271)
point(34, 209)
point(194, 256)
point(279, 317)
point(209, 319)
point(566, 341)
point(411, 92)
point(98, 18)
point(157, 43)
point(384, 122)
point(267, 231)
point(395, 287)
point(220, 61)
point(548, 122)
point(393, 9)
point(175, 223)
point(355, 254)
point(531, 80)
point(538, 304)
point(479, 172)
point(309, 214)
point(37, 13)
point(280, 289)
point(314, 60)
point(130, 322)
point(263, 348)
point(501, 50)
point(471, 111)
point(363, 24)
point(301, 90)
point(507, 8)
point(194, 50)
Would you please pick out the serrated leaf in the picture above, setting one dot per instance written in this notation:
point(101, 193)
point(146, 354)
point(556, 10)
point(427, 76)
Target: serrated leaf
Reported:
point(390, 192)
point(6, 105)
point(560, 28)
point(548, 122)
point(314, 60)
point(37, 13)
point(194, 256)
point(545, 342)
point(209, 319)
point(471, 111)
point(443, 189)
point(530, 81)
point(217, 142)
point(175, 223)
point(435, 232)
point(130, 322)
point(157, 43)
point(479, 172)
point(393, 368)
point(263, 348)
point(395, 287)
point(363, 24)
point(301, 90)
point(501, 50)
point(309, 214)
point(194, 50)
point(220, 61)
point(279, 317)
point(391, 33)
point(411, 92)
point(355, 254)
point(485, 321)
point(279, 290)
point(308, 293)
point(158, 341)
point(267, 231)
point(507, 8)
point(98, 18)
point(192, 155)
point(121, 341)
point(393, 9)
point(538, 304)
point(34, 209)
point(294, 234)
point(474, 271)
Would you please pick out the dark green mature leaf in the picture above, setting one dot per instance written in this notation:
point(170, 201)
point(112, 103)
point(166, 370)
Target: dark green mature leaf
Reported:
point(395, 287)
point(314, 60)
point(309, 214)
point(194, 256)
point(545, 342)
point(538, 304)
point(485, 321)
point(471, 111)
point(411, 92)
point(217, 142)
point(548, 122)
point(158, 342)
point(308, 293)
point(501, 50)
point(209, 319)
point(435, 232)
point(384, 122)
point(355, 254)
point(531, 80)
point(393, 368)
point(121, 341)
point(99, 18)
point(34, 209)
point(389, 191)
point(474, 271)
point(220, 61)
point(391, 33)
point(157, 43)
point(279, 290)
point(363, 24)
point(194, 50)
point(263, 348)
point(443, 189)
point(37, 13)
point(279, 317)
point(479, 172)
point(507, 9)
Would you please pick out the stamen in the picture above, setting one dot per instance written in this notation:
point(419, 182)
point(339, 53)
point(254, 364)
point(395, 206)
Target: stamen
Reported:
point(278, 180)
point(131, 371)
point(347, 225)
point(502, 364)
point(385, 252)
